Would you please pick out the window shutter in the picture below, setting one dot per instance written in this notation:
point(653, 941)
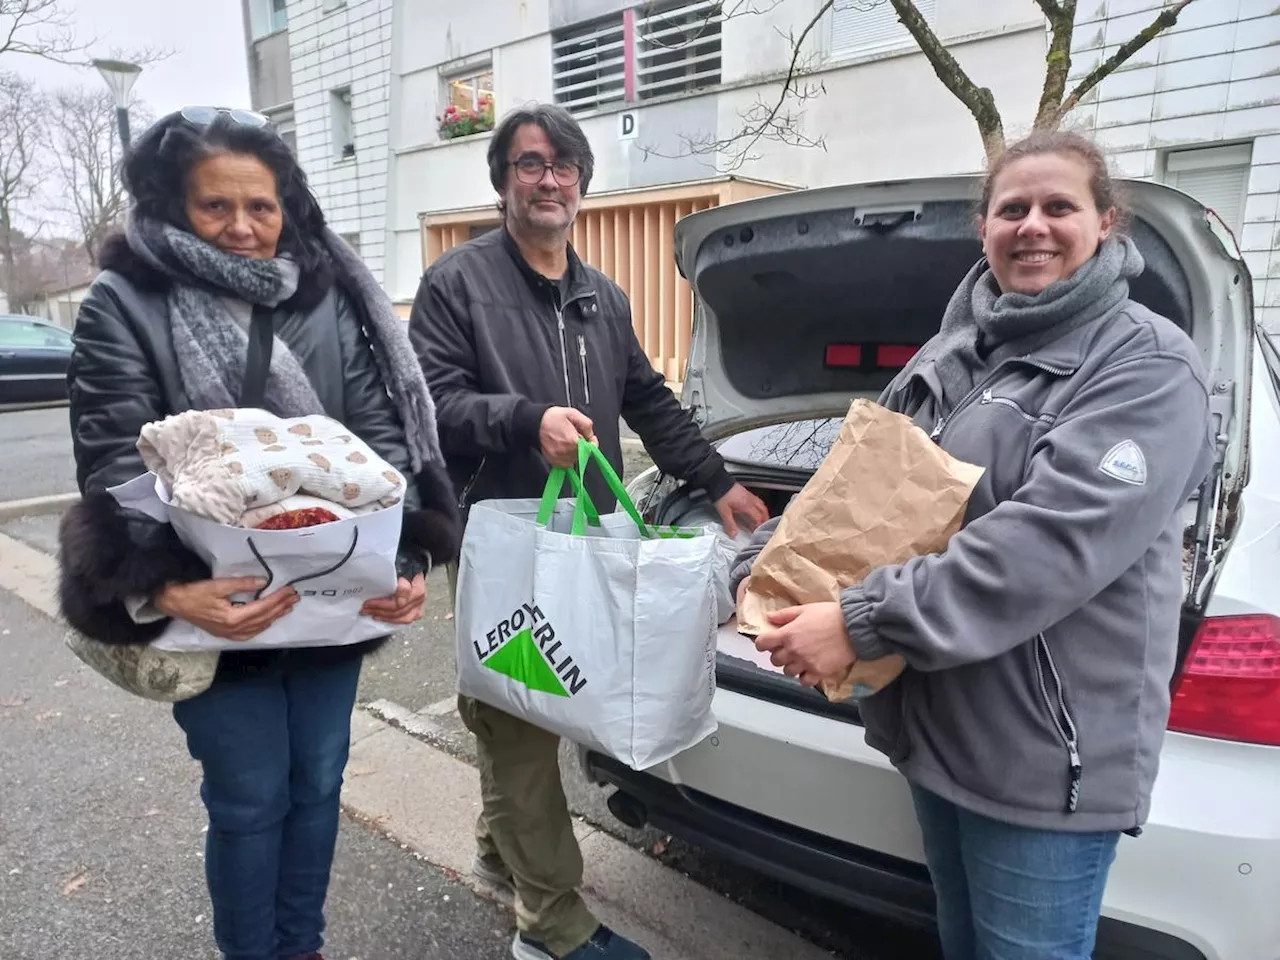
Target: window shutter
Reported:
point(588, 64)
point(865, 26)
point(678, 47)
point(1216, 176)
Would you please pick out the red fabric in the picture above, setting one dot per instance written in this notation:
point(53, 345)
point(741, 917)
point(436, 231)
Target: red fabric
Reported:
point(296, 519)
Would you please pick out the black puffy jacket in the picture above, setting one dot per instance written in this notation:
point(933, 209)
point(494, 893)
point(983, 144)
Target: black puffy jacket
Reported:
point(487, 328)
point(124, 374)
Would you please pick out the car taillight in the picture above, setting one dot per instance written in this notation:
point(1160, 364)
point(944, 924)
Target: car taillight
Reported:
point(885, 355)
point(1230, 683)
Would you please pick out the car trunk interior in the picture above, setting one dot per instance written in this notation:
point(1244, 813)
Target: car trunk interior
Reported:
point(833, 302)
point(786, 292)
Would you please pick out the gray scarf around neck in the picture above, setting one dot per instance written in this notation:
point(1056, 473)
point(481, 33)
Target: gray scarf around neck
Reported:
point(212, 347)
point(982, 326)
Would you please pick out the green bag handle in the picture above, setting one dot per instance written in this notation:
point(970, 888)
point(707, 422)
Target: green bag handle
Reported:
point(584, 510)
point(589, 451)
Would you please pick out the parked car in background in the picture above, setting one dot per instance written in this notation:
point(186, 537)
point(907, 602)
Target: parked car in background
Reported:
point(34, 356)
point(806, 300)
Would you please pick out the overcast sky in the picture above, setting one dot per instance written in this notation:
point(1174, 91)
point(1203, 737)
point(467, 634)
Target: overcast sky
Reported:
point(206, 38)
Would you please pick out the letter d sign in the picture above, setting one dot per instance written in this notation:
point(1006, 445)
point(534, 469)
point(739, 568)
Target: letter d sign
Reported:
point(627, 126)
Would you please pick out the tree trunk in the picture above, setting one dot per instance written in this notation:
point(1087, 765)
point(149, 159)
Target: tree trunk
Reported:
point(7, 264)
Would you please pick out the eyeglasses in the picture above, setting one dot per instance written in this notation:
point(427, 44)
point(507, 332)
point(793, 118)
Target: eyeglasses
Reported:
point(203, 116)
point(531, 170)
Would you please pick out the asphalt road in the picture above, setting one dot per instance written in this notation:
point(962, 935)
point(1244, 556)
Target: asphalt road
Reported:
point(414, 671)
point(35, 454)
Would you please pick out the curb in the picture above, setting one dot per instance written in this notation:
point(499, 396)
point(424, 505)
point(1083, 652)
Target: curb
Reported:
point(38, 405)
point(427, 801)
point(36, 506)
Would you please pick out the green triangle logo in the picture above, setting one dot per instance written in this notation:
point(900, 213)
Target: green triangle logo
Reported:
point(521, 660)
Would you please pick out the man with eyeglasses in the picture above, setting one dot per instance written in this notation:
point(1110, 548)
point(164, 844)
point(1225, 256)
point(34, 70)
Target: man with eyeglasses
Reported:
point(526, 349)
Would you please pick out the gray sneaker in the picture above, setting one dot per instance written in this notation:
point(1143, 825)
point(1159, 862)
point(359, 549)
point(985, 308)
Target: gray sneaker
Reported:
point(603, 945)
point(491, 870)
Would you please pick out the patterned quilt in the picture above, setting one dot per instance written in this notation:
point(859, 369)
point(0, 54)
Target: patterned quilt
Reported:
point(242, 467)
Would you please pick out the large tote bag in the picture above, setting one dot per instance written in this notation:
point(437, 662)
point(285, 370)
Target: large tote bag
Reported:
point(598, 628)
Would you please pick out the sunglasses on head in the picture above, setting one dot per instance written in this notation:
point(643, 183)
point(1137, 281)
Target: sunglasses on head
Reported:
point(203, 116)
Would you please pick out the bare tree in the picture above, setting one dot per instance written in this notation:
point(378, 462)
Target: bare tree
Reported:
point(44, 29)
point(84, 143)
point(21, 115)
point(38, 28)
point(778, 116)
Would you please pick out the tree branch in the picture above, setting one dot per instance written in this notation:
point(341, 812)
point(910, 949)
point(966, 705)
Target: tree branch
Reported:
point(767, 120)
point(1062, 20)
point(980, 102)
point(38, 28)
point(1166, 19)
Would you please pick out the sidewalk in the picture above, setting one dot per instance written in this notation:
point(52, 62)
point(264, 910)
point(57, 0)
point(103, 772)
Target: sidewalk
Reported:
point(100, 831)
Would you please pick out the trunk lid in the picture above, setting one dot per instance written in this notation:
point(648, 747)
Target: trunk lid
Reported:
point(808, 299)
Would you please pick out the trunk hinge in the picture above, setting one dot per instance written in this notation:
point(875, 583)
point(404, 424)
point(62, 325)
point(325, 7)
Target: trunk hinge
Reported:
point(1209, 500)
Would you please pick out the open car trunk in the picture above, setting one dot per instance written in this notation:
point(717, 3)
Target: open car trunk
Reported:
point(807, 300)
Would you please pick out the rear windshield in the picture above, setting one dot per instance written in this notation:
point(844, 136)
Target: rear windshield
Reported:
point(24, 333)
point(801, 445)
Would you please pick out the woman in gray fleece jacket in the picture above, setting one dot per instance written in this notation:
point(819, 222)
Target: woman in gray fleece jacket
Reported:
point(1040, 645)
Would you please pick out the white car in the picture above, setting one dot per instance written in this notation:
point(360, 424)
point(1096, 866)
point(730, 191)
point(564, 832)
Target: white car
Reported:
point(808, 299)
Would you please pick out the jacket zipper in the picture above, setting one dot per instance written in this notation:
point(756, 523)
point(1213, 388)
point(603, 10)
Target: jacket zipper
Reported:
point(988, 398)
point(582, 357)
point(1062, 720)
point(943, 421)
point(564, 358)
point(982, 389)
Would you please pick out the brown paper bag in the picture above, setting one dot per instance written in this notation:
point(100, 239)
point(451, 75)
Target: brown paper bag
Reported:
point(884, 494)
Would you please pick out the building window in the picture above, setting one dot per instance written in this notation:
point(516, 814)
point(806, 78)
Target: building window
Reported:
point(468, 103)
point(331, 5)
point(344, 136)
point(654, 50)
point(283, 122)
point(468, 91)
point(267, 17)
point(1216, 176)
point(869, 26)
point(678, 48)
point(588, 64)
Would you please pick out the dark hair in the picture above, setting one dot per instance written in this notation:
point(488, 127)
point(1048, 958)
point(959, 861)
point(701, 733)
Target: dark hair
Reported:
point(1107, 194)
point(561, 129)
point(160, 161)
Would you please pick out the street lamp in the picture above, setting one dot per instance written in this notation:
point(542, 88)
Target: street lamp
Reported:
point(120, 76)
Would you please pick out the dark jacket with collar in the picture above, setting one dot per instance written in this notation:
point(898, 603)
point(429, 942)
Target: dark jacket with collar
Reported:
point(124, 374)
point(498, 351)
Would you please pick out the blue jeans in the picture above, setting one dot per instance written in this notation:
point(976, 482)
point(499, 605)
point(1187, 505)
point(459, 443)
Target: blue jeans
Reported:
point(1012, 893)
point(273, 747)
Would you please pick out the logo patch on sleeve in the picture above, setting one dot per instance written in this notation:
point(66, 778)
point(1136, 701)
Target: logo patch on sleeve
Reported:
point(1126, 463)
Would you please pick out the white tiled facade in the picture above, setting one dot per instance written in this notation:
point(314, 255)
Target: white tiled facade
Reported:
point(1213, 80)
point(345, 47)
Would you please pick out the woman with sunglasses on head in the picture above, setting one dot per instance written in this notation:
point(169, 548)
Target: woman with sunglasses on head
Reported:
point(225, 231)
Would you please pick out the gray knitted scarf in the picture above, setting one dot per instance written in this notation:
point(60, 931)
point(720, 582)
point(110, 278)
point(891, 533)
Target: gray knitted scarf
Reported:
point(212, 347)
point(983, 326)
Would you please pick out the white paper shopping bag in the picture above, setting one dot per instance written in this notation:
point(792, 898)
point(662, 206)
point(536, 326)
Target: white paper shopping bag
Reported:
point(335, 567)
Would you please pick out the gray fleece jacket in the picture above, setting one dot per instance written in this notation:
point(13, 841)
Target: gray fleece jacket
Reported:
point(1042, 642)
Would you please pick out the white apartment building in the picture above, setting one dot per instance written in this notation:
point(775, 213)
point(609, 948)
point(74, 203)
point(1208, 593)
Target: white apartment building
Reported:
point(1199, 107)
point(321, 69)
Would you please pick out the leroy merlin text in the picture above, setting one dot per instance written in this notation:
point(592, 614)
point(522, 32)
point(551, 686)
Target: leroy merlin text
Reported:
point(531, 618)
